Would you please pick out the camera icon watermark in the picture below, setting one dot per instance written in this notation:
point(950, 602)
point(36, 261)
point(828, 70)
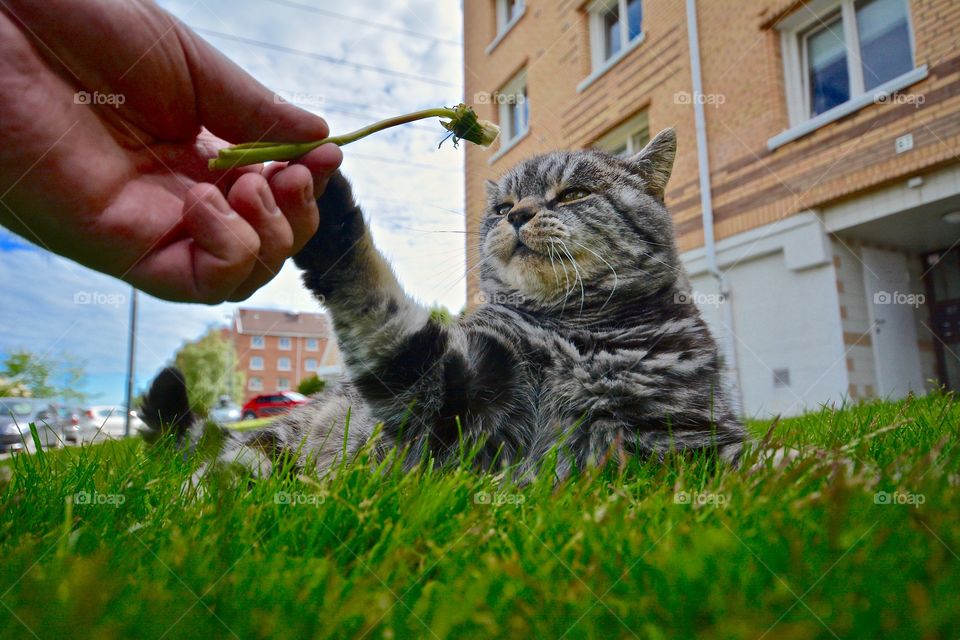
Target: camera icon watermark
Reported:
point(300, 98)
point(98, 298)
point(899, 498)
point(713, 99)
point(699, 299)
point(499, 297)
point(914, 300)
point(296, 499)
point(95, 98)
point(498, 98)
point(885, 97)
point(96, 498)
point(700, 499)
point(498, 499)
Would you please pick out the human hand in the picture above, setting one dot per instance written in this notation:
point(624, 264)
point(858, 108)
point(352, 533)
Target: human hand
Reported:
point(122, 186)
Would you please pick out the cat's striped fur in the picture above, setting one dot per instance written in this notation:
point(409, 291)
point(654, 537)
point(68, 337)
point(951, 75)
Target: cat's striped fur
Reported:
point(588, 336)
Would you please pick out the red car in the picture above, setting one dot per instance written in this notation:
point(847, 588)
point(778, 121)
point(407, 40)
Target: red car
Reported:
point(273, 404)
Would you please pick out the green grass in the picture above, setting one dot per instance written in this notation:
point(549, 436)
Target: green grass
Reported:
point(800, 552)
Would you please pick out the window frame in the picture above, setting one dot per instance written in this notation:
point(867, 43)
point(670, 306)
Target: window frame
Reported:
point(280, 343)
point(313, 344)
point(283, 384)
point(794, 32)
point(280, 366)
point(254, 339)
point(511, 87)
point(258, 386)
point(504, 23)
point(254, 360)
point(596, 15)
point(306, 364)
point(624, 133)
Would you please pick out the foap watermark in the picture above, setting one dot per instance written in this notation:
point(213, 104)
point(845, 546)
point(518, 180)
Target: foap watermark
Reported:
point(685, 97)
point(899, 498)
point(914, 300)
point(699, 299)
point(485, 97)
point(96, 498)
point(499, 498)
point(300, 98)
point(99, 298)
point(499, 297)
point(296, 499)
point(96, 98)
point(700, 499)
point(916, 99)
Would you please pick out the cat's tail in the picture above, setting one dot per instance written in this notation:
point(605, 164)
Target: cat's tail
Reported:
point(166, 407)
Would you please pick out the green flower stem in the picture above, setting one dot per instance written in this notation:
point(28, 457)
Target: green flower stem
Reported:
point(256, 152)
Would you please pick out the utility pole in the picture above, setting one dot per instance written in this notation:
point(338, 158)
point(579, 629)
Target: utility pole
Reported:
point(131, 357)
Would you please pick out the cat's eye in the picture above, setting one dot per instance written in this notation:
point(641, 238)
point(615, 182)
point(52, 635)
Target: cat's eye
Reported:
point(503, 209)
point(572, 194)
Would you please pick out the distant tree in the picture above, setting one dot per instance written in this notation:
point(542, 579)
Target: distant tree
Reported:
point(313, 384)
point(208, 365)
point(28, 375)
point(442, 316)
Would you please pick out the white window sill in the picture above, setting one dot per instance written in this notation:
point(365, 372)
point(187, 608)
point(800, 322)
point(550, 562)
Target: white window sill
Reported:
point(610, 62)
point(503, 32)
point(848, 107)
point(506, 145)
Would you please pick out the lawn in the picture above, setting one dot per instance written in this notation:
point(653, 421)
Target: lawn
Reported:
point(858, 538)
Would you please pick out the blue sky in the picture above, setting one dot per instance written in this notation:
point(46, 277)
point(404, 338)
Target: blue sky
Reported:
point(412, 193)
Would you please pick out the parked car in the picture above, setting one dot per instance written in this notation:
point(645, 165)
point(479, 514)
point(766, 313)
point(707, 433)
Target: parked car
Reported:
point(226, 411)
point(16, 415)
point(67, 422)
point(107, 421)
point(273, 404)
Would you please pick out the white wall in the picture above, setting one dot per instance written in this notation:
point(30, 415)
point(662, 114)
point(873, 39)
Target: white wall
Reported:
point(786, 315)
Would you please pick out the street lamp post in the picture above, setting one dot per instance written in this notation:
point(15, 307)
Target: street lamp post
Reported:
point(131, 357)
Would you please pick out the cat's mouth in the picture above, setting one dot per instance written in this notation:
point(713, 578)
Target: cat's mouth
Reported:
point(523, 249)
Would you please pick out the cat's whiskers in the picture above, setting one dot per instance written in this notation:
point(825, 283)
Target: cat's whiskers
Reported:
point(576, 271)
point(616, 278)
point(668, 266)
point(568, 288)
point(553, 266)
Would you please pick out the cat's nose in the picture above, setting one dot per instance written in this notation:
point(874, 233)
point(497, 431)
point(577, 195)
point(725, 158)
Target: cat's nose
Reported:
point(520, 216)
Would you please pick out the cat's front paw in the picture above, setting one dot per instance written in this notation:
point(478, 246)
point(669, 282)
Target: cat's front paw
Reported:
point(338, 238)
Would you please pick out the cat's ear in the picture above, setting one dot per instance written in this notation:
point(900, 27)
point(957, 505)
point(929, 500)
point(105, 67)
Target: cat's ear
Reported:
point(493, 190)
point(655, 161)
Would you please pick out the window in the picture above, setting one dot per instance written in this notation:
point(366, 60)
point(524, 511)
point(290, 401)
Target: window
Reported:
point(312, 344)
point(508, 12)
point(844, 50)
point(256, 363)
point(283, 364)
point(255, 383)
point(284, 344)
point(256, 342)
point(311, 364)
point(628, 138)
point(514, 110)
point(283, 384)
point(614, 26)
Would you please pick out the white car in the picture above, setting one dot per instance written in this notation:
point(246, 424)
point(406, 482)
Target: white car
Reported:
point(107, 421)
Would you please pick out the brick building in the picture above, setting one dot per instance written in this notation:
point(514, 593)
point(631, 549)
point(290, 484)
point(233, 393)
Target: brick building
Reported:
point(817, 183)
point(278, 349)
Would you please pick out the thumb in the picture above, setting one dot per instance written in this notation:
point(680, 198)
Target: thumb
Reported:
point(237, 108)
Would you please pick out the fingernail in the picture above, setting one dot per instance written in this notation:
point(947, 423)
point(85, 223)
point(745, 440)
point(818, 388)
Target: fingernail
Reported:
point(218, 204)
point(307, 194)
point(267, 200)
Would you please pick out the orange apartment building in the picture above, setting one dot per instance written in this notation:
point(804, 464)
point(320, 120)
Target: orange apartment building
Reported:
point(277, 350)
point(816, 191)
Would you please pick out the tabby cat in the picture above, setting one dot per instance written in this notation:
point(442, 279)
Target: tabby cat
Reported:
point(588, 340)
